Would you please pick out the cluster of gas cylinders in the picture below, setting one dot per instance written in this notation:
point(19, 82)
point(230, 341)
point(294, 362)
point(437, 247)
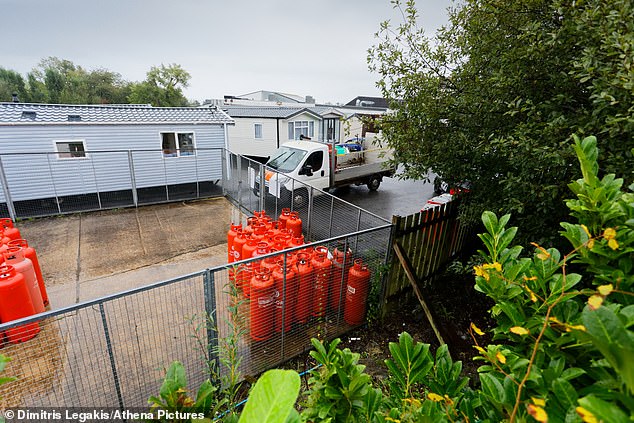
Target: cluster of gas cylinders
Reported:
point(291, 288)
point(22, 290)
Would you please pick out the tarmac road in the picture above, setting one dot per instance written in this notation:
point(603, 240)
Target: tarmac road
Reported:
point(394, 197)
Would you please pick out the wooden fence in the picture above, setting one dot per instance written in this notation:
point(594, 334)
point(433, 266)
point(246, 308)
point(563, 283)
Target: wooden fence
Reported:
point(423, 244)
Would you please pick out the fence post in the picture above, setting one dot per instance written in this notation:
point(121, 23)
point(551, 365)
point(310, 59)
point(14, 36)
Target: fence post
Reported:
point(113, 366)
point(7, 194)
point(262, 187)
point(209, 290)
point(310, 211)
point(135, 197)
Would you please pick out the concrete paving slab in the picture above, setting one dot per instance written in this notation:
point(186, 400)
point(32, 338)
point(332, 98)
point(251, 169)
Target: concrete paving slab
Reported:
point(89, 255)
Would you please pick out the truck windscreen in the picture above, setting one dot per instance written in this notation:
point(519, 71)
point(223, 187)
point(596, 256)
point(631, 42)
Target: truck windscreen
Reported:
point(286, 159)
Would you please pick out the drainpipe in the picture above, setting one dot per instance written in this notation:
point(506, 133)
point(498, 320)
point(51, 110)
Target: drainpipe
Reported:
point(277, 128)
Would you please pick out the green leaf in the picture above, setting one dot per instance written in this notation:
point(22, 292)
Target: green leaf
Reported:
point(602, 410)
point(492, 387)
point(490, 222)
point(565, 393)
point(272, 398)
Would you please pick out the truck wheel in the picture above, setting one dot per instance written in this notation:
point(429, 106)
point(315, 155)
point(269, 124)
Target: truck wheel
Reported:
point(374, 182)
point(300, 198)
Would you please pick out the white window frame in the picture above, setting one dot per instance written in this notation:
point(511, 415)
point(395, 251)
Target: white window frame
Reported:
point(309, 125)
point(58, 153)
point(255, 130)
point(177, 144)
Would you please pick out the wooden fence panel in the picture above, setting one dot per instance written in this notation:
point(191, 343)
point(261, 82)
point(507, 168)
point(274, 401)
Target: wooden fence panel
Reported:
point(428, 240)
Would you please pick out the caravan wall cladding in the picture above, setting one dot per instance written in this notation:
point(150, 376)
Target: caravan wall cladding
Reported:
point(121, 165)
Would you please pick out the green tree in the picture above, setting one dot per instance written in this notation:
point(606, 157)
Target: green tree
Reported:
point(162, 87)
point(12, 82)
point(494, 96)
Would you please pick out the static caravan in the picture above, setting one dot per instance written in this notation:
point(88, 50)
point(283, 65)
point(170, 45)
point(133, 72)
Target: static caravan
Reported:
point(64, 158)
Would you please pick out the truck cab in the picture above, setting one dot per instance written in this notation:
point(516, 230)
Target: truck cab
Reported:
point(318, 165)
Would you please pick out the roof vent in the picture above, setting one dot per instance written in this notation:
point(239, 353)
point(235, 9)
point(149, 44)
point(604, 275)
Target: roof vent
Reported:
point(29, 114)
point(74, 118)
point(14, 98)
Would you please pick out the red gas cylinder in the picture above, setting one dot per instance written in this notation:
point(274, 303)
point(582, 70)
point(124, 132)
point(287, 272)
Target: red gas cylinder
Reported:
point(282, 241)
point(286, 213)
point(249, 247)
point(29, 252)
point(262, 307)
point(10, 231)
point(233, 231)
point(243, 278)
point(251, 223)
point(305, 279)
point(14, 256)
point(294, 224)
point(284, 299)
point(15, 303)
point(296, 241)
point(323, 271)
point(341, 264)
point(356, 293)
point(270, 263)
point(238, 244)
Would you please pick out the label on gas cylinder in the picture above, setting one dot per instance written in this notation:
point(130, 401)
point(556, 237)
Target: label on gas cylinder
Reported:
point(351, 289)
point(264, 301)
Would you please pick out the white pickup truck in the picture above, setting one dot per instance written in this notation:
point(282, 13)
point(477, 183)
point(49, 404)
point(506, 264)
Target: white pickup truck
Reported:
point(318, 165)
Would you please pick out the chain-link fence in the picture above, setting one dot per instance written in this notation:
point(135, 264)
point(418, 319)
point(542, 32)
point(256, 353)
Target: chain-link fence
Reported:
point(112, 351)
point(44, 184)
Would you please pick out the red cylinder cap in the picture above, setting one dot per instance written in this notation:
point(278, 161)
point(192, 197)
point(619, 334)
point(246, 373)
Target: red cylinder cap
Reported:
point(6, 271)
point(19, 242)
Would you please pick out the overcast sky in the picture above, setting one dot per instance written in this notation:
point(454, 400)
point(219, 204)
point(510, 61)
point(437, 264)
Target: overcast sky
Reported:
point(316, 47)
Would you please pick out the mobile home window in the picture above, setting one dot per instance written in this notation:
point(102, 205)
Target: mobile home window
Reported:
point(70, 149)
point(177, 144)
point(301, 127)
point(258, 130)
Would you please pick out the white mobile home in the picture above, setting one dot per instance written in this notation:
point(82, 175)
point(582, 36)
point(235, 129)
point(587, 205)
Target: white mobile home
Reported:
point(106, 153)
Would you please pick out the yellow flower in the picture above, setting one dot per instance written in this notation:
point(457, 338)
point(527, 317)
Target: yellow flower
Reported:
point(476, 329)
point(595, 302)
point(538, 401)
point(591, 244)
point(586, 415)
point(497, 266)
point(518, 330)
point(605, 289)
point(538, 413)
point(609, 233)
point(613, 244)
point(389, 419)
point(479, 271)
point(434, 397)
point(500, 357)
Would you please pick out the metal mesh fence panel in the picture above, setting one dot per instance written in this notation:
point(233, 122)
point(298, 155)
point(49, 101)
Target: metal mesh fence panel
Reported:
point(43, 184)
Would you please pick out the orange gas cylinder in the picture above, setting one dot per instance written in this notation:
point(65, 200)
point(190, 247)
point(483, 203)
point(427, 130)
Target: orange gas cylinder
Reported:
point(275, 227)
point(296, 241)
point(10, 231)
point(285, 299)
point(4, 240)
point(341, 264)
point(294, 223)
point(262, 306)
point(323, 268)
point(249, 247)
point(356, 293)
point(29, 252)
point(243, 278)
point(281, 241)
point(15, 303)
point(238, 244)
point(251, 223)
point(270, 262)
point(305, 279)
point(233, 231)
point(286, 212)
point(14, 256)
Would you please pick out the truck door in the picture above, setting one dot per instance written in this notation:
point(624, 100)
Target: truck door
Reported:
point(319, 168)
